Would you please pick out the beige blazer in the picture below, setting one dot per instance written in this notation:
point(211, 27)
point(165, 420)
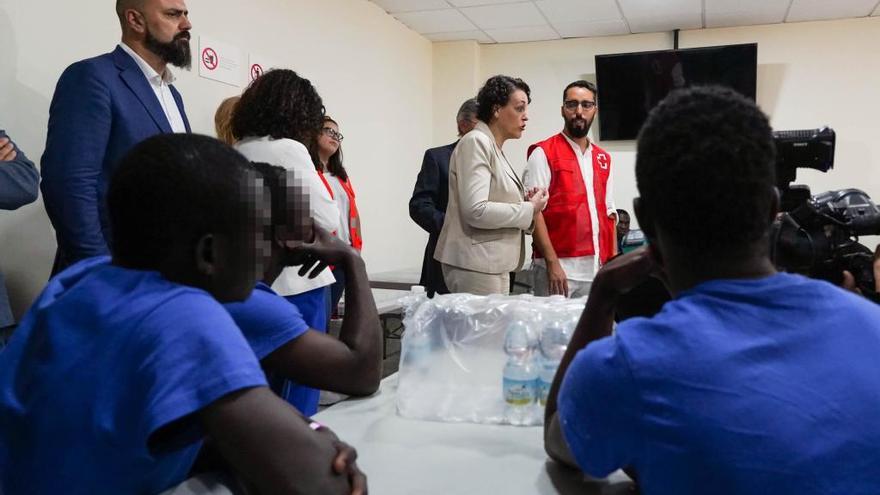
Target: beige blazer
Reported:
point(487, 215)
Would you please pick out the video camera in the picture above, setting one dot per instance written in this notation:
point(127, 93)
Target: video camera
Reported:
point(818, 235)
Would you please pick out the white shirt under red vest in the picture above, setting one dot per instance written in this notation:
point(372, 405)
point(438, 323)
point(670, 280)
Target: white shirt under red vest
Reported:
point(537, 173)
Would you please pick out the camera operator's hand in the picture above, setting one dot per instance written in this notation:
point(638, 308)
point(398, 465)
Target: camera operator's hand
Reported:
point(313, 257)
point(849, 283)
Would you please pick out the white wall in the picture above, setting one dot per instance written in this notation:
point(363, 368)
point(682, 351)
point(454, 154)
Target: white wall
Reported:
point(374, 74)
point(809, 75)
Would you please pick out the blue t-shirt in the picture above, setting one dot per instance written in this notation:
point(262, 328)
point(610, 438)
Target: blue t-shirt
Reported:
point(104, 358)
point(267, 320)
point(736, 386)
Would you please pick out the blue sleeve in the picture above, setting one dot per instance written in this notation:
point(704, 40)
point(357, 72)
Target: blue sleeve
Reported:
point(193, 354)
point(268, 321)
point(599, 410)
point(19, 180)
point(80, 118)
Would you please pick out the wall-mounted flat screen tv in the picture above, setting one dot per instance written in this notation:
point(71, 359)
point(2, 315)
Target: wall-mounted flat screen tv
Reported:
point(630, 84)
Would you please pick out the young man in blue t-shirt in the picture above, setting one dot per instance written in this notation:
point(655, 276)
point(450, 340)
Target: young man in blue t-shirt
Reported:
point(748, 381)
point(275, 329)
point(122, 366)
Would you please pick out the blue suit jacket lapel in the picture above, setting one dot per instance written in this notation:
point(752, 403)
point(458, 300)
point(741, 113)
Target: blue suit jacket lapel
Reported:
point(134, 78)
point(179, 100)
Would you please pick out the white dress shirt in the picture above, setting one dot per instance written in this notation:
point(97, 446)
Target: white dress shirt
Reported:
point(161, 85)
point(537, 173)
point(293, 156)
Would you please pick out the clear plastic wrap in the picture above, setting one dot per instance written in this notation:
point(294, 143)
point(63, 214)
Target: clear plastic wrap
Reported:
point(453, 354)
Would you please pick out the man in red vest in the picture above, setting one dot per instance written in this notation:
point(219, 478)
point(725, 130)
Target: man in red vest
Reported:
point(576, 232)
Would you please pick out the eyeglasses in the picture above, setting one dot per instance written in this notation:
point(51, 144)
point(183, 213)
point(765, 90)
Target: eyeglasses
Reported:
point(573, 104)
point(333, 133)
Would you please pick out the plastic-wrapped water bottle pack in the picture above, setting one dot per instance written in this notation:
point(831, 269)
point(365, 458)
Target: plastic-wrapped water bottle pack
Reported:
point(482, 359)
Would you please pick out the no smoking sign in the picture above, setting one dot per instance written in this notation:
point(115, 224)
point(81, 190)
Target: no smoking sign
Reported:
point(210, 59)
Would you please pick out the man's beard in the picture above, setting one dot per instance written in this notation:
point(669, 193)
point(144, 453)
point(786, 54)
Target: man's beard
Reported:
point(578, 132)
point(176, 52)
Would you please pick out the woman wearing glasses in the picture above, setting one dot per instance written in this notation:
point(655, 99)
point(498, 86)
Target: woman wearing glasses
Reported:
point(489, 210)
point(326, 153)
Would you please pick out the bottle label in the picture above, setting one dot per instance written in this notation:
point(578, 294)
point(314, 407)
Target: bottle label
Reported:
point(519, 392)
point(543, 391)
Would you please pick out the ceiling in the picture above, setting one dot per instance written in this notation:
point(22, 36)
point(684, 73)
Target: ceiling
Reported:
point(507, 21)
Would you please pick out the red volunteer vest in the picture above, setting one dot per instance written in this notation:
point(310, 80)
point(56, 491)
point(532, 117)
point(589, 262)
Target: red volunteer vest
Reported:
point(354, 219)
point(568, 214)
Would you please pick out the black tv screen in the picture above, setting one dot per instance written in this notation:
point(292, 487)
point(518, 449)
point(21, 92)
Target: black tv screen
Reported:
point(630, 84)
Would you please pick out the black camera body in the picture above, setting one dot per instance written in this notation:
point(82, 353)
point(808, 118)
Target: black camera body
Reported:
point(818, 235)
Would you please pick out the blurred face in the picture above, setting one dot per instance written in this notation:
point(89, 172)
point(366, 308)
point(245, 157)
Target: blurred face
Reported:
point(511, 118)
point(578, 110)
point(166, 29)
point(622, 225)
point(329, 138)
point(240, 258)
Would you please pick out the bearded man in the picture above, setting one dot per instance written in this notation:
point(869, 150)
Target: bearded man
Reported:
point(102, 107)
point(575, 234)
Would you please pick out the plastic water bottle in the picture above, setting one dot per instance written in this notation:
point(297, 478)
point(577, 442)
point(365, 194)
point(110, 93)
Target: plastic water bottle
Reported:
point(519, 380)
point(416, 340)
point(554, 342)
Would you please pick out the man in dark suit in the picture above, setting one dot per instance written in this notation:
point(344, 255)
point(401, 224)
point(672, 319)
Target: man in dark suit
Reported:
point(102, 107)
point(427, 207)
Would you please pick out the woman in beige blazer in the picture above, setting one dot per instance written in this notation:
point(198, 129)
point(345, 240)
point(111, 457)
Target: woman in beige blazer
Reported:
point(489, 211)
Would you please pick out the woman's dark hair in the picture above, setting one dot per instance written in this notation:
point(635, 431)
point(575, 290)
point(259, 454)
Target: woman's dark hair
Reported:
point(334, 163)
point(280, 104)
point(496, 93)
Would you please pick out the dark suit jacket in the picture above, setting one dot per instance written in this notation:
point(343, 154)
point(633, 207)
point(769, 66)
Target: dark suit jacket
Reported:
point(102, 107)
point(427, 207)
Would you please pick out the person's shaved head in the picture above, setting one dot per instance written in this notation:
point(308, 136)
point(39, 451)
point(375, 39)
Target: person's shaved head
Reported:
point(123, 5)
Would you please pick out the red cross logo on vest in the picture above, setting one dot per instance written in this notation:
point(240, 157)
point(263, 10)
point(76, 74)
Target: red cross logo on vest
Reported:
point(602, 158)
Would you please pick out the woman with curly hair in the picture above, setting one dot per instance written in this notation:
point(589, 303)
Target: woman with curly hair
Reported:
point(326, 153)
point(276, 115)
point(489, 210)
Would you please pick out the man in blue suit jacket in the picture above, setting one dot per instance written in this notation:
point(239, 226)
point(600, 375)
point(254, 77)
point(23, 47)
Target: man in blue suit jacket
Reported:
point(102, 107)
point(427, 207)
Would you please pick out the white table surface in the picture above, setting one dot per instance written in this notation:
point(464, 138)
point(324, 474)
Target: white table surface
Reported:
point(412, 457)
point(402, 279)
point(387, 301)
